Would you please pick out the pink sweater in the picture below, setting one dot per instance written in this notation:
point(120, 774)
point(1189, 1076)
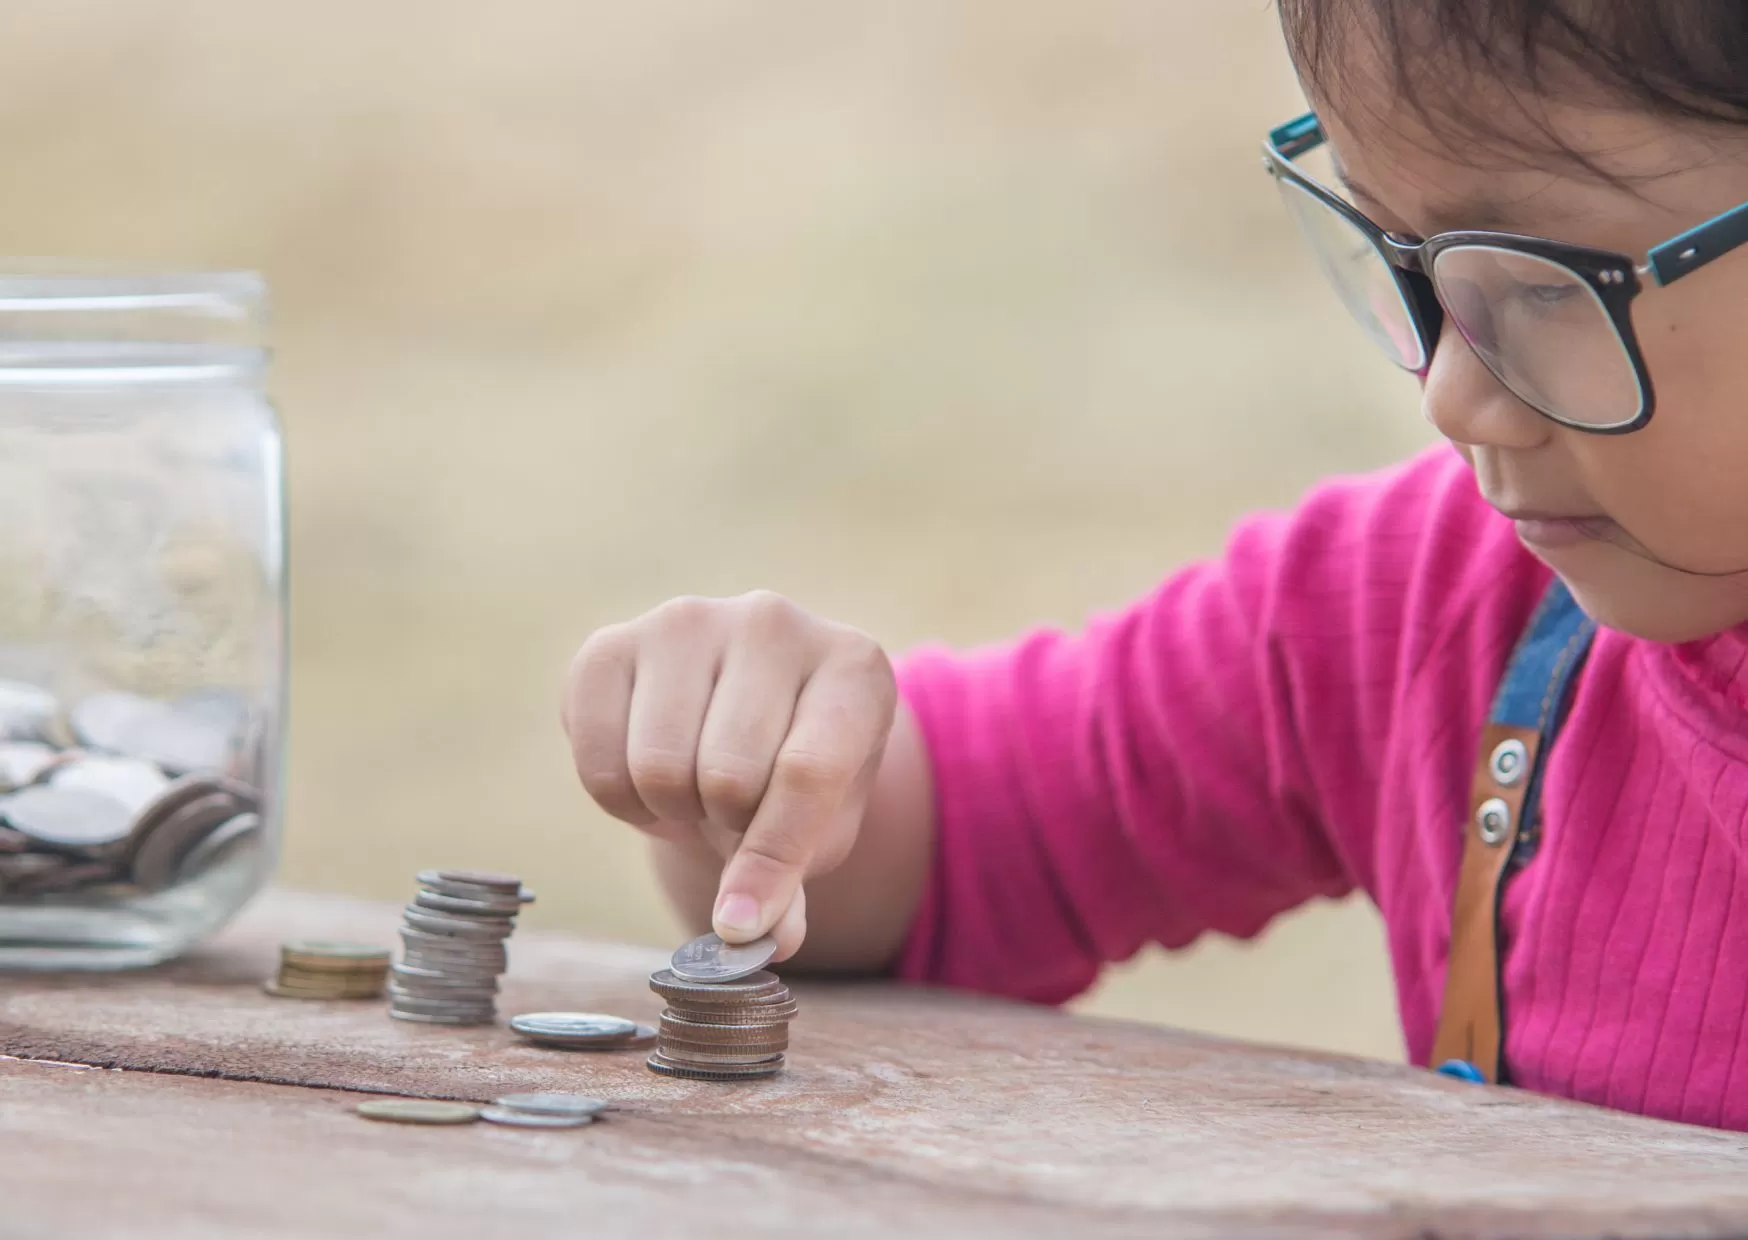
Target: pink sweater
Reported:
point(1300, 718)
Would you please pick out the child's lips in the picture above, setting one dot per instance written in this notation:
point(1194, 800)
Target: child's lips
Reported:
point(1544, 529)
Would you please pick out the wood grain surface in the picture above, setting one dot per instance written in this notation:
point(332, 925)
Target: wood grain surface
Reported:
point(901, 1108)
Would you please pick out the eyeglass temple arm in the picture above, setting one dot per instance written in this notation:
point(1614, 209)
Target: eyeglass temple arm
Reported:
point(1696, 247)
point(1666, 264)
point(1301, 134)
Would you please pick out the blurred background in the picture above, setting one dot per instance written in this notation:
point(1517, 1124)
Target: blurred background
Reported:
point(945, 317)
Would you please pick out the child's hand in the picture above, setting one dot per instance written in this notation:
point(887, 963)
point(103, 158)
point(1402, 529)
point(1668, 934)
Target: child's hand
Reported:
point(744, 726)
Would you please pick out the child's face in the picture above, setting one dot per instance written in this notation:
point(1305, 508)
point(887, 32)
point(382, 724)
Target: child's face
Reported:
point(1660, 547)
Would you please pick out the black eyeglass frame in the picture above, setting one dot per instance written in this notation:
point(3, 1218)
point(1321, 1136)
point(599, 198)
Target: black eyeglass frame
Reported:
point(1616, 279)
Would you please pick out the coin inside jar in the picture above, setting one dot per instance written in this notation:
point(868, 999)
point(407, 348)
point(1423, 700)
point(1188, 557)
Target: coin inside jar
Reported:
point(129, 780)
point(67, 817)
point(25, 711)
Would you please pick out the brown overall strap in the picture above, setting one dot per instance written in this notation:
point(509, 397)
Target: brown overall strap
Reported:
point(1526, 716)
point(1471, 1027)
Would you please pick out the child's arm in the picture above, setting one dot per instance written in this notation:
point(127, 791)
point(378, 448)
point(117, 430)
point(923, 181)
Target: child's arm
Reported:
point(1202, 760)
point(1217, 753)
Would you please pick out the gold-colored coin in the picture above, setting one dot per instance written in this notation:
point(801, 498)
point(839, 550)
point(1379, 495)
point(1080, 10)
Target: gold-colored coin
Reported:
point(320, 953)
point(418, 1111)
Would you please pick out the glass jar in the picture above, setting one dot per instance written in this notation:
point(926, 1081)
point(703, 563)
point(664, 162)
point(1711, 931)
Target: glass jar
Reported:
point(142, 613)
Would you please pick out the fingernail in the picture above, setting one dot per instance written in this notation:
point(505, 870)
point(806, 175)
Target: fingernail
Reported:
point(738, 912)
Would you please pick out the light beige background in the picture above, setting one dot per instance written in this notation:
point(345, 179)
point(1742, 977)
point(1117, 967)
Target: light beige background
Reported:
point(944, 316)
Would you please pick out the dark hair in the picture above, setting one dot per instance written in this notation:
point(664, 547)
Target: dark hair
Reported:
point(1685, 59)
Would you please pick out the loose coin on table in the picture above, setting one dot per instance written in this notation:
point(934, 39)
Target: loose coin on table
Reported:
point(570, 1105)
point(533, 1119)
point(708, 959)
point(418, 1111)
point(580, 1030)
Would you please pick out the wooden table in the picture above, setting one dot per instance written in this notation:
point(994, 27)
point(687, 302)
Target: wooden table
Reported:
point(185, 1102)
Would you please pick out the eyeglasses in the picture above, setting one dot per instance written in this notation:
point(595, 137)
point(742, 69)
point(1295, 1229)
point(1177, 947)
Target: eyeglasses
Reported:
point(1553, 322)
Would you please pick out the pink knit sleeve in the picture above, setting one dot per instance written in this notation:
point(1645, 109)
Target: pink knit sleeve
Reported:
point(1201, 761)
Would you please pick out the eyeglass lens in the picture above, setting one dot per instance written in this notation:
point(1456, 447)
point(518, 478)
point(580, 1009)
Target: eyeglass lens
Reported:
point(1360, 275)
point(1537, 325)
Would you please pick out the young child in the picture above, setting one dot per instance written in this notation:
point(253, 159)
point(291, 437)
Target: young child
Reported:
point(1391, 688)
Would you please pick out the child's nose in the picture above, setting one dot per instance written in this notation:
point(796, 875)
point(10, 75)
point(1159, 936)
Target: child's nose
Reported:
point(1468, 406)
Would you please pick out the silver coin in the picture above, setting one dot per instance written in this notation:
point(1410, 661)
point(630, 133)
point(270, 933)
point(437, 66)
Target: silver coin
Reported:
point(573, 1105)
point(423, 975)
point(141, 727)
point(477, 959)
point(24, 762)
point(463, 979)
point(132, 781)
point(708, 959)
point(750, 1014)
point(451, 966)
point(478, 878)
point(456, 1011)
point(67, 817)
point(454, 996)
point(26, 711)
point(237, 837)
point(528, 1119)
point(451, 999)
point(110, 721)
point(659, 1062)
point(753, 986)
point(454, 966)
point(443, 986)
point(440, 903)
point(453, 947)
point(486, 1008)
point(429, 881)
point(702, 1031)
point(453, 944)
point(573, 1027)
point(448, 925)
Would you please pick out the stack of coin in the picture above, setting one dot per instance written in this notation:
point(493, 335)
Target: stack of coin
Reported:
point(722, 1031)
point(318, 969)
point(453, 934)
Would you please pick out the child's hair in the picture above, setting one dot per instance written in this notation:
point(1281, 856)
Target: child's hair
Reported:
point(1684, 59)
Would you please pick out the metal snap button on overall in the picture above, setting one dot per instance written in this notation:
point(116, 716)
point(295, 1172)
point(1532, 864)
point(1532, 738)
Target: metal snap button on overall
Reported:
point(1493, 817)
point(1508, 762)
